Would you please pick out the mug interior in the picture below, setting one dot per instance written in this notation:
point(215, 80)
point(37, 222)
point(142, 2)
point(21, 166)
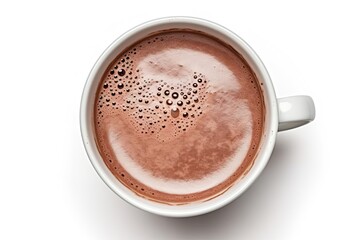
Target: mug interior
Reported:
point(140, 32)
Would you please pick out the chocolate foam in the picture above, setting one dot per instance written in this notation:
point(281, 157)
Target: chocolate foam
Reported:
point(179, 117)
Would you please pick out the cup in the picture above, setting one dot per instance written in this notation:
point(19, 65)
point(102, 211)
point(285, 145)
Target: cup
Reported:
point(280, 114)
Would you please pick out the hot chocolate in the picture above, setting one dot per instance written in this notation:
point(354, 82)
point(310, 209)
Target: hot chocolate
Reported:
point(179, 117)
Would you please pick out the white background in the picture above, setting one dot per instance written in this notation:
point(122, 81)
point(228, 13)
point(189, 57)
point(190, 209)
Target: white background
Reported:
point(49, 190)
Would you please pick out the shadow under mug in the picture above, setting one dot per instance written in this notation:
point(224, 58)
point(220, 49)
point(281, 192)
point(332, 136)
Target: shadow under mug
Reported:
point(280, 114)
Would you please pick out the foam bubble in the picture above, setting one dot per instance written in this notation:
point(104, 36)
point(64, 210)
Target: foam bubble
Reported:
point(121, 72)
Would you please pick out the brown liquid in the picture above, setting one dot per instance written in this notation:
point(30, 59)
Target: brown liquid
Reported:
point(179, 117)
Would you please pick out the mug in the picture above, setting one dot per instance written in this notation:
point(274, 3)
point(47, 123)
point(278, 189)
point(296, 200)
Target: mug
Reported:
point(280, 114)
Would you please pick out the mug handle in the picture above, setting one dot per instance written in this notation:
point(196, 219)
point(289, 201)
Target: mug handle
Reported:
point(295, 111)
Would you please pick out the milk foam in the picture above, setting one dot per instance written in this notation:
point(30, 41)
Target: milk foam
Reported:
point(178, 117)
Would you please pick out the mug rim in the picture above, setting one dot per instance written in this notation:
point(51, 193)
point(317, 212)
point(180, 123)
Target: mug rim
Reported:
point(268, 140)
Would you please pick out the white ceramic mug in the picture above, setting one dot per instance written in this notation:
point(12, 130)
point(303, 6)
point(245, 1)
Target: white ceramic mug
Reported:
point(281, 114)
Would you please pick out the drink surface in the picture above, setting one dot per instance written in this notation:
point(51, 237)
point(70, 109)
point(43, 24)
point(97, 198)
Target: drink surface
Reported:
point(179, 117)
